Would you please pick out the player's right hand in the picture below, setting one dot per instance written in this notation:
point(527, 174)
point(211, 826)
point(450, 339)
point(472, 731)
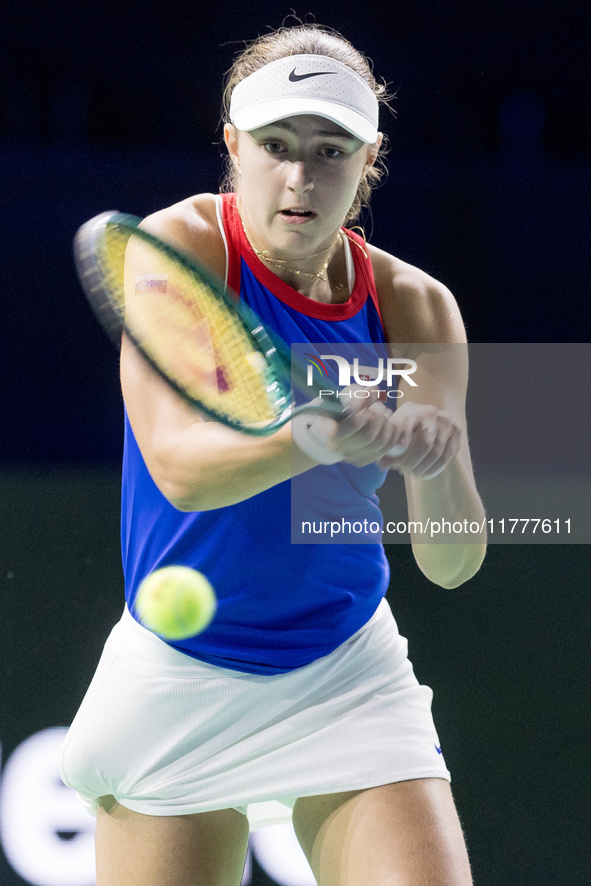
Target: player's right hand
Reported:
point(362, 437)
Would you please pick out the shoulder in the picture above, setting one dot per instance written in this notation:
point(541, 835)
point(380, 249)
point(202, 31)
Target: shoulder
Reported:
point(191, 226)
point(415, 307)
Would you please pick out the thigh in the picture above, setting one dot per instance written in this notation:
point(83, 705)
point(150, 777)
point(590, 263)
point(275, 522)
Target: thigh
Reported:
point(403, 834)
point(132, 849)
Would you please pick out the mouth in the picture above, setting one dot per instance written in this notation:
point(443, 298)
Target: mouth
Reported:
point(297, 215)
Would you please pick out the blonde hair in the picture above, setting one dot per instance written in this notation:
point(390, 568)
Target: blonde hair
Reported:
point(308, 39)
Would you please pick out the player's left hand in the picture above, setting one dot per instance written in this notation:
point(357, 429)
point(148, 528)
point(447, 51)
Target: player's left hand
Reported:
point(428, 440)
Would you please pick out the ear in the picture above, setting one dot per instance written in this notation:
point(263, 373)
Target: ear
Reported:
point(373, 150)
point(231, 139)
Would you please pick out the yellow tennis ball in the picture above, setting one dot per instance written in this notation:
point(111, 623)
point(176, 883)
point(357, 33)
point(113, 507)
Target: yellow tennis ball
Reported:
point(176, 602)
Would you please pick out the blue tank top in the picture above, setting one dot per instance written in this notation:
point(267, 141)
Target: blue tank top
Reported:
point(280, 605)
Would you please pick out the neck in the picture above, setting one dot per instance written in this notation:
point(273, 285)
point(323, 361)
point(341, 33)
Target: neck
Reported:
point(312, 267)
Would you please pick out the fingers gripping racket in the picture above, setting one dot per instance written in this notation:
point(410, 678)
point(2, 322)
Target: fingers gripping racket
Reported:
point(214, 352)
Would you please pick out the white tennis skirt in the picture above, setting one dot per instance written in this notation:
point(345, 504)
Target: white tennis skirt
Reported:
point(166, 734)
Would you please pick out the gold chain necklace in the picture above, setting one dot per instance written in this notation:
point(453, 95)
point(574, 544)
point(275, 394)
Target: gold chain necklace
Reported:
point(263, 254)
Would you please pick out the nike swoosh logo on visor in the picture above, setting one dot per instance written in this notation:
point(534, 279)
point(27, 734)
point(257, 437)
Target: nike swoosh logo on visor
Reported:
point(295, 77)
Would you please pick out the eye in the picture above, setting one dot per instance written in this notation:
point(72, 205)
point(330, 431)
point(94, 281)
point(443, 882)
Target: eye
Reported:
point(273, 147)
point(332, 153)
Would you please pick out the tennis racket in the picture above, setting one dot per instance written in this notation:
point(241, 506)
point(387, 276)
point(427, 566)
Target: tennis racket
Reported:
point(212, 350)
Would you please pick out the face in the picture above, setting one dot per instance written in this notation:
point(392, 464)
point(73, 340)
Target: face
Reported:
point(298, 178)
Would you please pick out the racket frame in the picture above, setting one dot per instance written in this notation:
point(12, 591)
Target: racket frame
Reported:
point(88, 261)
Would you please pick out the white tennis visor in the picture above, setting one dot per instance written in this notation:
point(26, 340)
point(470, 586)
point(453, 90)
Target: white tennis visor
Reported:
point(306, 84)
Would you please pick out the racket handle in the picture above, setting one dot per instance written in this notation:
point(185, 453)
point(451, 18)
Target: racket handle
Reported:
point(303, 432)
point(306, 432)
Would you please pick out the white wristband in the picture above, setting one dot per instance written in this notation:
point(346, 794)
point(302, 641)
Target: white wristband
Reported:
point(306, 433)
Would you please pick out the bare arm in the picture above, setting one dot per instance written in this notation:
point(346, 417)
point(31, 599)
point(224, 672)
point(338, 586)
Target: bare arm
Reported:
point(418, 309)
point(197, 464)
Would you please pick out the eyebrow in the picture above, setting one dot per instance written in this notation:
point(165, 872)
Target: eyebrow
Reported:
point(324, 133)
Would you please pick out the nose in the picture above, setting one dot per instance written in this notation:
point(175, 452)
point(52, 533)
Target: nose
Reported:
point(299, 179)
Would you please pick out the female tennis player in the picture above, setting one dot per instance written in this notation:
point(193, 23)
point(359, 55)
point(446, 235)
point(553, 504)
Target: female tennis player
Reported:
point(298, 700)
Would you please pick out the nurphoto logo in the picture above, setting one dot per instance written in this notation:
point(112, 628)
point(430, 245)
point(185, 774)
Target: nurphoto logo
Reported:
point(386, 371)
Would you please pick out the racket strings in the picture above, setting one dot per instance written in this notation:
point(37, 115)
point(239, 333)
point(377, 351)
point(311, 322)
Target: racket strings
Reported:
point(186, 330)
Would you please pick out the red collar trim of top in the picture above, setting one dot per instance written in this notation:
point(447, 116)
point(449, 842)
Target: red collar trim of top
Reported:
point(238, 245)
